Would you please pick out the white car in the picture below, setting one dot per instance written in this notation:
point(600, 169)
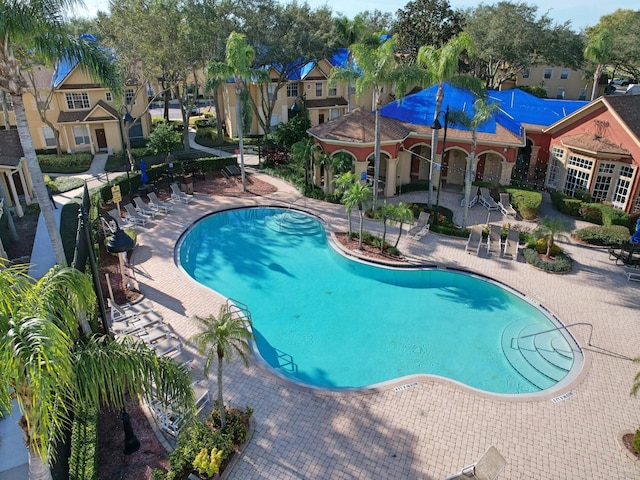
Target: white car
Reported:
point(633, 89)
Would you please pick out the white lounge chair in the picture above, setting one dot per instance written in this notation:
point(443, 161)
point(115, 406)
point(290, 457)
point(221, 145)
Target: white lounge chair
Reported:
point(511, 244)
point(156, 334)
point(155, 202)
point(143, 209)
point(490, 465)
point(177, 194)
point(168, 347)
point(134, 217)
point(486, 200)
point(632, 274)
point(505, 205)
point(494, 241)
point(421, 227)
point(473, 199)
point(171, 417)
point(128, 310)
point(474, 241)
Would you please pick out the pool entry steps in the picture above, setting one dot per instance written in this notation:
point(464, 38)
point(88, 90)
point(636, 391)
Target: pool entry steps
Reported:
point(292, 222)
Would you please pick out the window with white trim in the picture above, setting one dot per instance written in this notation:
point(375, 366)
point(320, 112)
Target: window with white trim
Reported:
point(352, 89)
point(334, 113)
point(557, 152)
point(564, 74)
point(80, 135)
point(130, 96)
point(525, 73)
point(275, 120)
point(108, 97)
point(601, 188)
point(271, 92)
point(318, 89)
point(555, 160)
point(560, 92)
point(623, 186)
point(48, 136)
point(333, 89)
point(9, 104)
point(78, 101)
point(583, 94)
point(580, 162)
point(636, 203)
point(292, 90)
point(548, 73)
point(575, 179)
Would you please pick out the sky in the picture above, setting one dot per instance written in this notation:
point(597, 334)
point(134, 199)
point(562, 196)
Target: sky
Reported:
point(581, 13)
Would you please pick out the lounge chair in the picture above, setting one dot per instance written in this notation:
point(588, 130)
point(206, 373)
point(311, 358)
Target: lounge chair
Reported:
point(137, 325)
point(473, 199)
point(490, 465)
point(156, 334)
point(167, 347)
point(133, 216)
point(632, 274)
point(233, 170)
point(171, 417)
point(155, 202)
point(486, 200)
point(475, 239)
point(177, 194)
point(505, 205)
point(143, 209)
point(627, 253)
point(421, 227)
point(494, 242)
point(128, 310)
point(510, 246)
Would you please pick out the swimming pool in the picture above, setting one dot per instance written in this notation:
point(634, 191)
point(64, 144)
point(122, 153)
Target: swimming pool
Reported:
point(328, 321)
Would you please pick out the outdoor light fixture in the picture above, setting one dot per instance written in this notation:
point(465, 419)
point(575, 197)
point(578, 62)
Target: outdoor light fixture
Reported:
point(435, 126)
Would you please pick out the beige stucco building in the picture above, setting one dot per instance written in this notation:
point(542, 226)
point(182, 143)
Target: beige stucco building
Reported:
point(559, 82)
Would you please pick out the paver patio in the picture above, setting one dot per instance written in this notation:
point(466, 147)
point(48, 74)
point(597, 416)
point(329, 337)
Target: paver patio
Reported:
point(432, 430)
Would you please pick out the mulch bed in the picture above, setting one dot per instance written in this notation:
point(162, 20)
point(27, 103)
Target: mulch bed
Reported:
point(627, 439)
point(368, 251)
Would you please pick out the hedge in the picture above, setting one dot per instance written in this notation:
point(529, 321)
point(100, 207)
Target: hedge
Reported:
point(603, 235)
point(598, 213)
point(83, 461)
point(68, 163)
point(561, 263)
point(527, 202)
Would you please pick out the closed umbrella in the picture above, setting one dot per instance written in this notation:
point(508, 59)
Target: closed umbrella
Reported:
point(143, 172)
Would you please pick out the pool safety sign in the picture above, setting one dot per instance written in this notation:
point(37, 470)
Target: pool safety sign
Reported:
point(115, 194)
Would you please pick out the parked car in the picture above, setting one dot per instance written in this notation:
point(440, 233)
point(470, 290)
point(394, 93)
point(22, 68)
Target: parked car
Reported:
point(633, 89)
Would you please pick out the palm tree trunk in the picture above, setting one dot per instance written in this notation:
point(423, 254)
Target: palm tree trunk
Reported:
point(38, 470)
point(468, 180)
point(39, 186)
point(219, 120)
point(596, 80)
point(223, 413)
point(376, 155)
point(5, 109)
point(240, 139)
point(361, 217)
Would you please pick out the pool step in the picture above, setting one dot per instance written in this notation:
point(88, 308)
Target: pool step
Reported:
point(542, 359)
point(293, 223)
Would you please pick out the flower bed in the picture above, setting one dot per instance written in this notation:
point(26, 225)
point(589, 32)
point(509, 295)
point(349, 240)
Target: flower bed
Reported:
point(559, 264)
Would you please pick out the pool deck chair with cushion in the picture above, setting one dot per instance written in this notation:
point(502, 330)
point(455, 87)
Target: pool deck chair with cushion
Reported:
point(487, 200)
point(177, 194)
point(143, 209)
point(475, 240)
point(505, 205)
point(494, 242)
point(489, 467)
point(134, 217)
point(421, 227)
point(156, 203)
point(632, 274)
point(510, 246)
point(473, 199)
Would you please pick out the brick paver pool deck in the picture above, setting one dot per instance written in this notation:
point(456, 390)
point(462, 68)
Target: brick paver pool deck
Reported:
point(432, 430)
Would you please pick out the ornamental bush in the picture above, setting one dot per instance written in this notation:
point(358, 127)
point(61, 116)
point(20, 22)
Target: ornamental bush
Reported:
point(561, 263)
point(527, 202)
point(603, 235)
point(541, 247)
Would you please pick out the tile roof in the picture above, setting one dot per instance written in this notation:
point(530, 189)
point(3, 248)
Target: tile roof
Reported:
point(358, 126)
point(598, 146)
point(10, 148)
point(326, 102)
point(628, 109)
point(85, 115)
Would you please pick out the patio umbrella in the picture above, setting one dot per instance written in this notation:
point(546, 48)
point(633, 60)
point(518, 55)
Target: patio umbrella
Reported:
point(143, 172)
point(635, 238)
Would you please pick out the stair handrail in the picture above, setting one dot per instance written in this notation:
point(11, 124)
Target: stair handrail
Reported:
point(234, 306)
point(563, 327)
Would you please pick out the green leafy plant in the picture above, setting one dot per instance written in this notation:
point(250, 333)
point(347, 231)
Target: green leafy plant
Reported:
point(635, 441)
point(561, 263)
point(208, 463)
point(527, 202)
point(603, 235)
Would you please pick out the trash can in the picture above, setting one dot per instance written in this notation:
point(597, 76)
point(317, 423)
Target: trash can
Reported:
point(187, 184)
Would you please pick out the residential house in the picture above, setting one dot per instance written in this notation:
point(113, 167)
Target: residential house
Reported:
point(597, 149)
point(513, 137)
point(559, 82)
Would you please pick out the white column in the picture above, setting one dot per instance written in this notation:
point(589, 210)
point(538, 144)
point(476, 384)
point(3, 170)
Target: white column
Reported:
point(14, 193)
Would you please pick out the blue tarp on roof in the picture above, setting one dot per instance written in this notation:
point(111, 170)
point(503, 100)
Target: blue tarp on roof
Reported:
point(516, 107)
point(340, 58)
point(64, 66)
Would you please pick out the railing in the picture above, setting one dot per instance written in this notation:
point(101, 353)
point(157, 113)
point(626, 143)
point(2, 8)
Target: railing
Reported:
point(563, 327)
point(238, 308)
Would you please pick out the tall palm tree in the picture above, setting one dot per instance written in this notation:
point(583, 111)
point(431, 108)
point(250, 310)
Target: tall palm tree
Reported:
point(52, 370)
point(350, 32)
point(239, 58)
point(443, 65)
point(552, 228)
point(482, 112)
point(34, 31)
point(358, 195)
point(223, 337)
point(598, 50)
point(302, 152)
point(402, 214)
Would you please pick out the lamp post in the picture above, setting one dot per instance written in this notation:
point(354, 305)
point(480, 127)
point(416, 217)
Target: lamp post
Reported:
point(444, 146)
point(435, 126)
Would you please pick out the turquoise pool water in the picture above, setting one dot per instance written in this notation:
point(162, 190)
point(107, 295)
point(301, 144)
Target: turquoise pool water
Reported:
point(324, 320)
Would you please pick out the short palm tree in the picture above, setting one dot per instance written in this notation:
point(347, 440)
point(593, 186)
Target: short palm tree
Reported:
point(402, 214)
point(384, 213)
point(53, 371)
point(552, 228)
point(223, 337)
point(302, 152)
point(343, 183)
point(358, 195)
point(32, 33)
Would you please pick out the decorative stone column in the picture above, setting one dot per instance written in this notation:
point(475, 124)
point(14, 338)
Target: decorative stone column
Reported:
point(505, 172)
point(358, 168)
point(533, 162)
point(392, 182)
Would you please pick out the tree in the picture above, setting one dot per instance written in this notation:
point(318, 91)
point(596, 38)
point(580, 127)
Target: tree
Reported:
point(163, 139)
point(551, 228)
point(350, 32)
point(482, 112)
point(53, 371)
point(598, 51)
point(35, 30)
point(509, 37)
point(402, 214)
point(426, 22)
point(358, 195)
point(343, 184)
point(223, 337)
point(239, 58)
point(384, 213)
point(303, 151)
point(442, 65)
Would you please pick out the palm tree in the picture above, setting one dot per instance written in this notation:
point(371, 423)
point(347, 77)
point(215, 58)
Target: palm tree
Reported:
point(302, 152)
point(343, 183)
point(350, 32)
point(358, 195)
point(402, 214)
point(552, 228)
point(35, 32)
point(223, 336)
point(239, 58)
point(599, 50)
point(53, 371)
point(442, 65)
point(384, 213)
point(482, 112)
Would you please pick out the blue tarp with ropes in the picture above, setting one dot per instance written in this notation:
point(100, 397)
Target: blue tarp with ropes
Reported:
point(516, 107)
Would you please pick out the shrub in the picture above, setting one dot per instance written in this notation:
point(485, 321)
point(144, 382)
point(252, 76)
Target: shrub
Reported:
point(541, 247)
point(603, 235)
point(582, 195)
point(591, 212)
point(565, 204)
point(635, 441)
point(71, 163)
point(527, 202)
point(561, 263)
point(83, 460)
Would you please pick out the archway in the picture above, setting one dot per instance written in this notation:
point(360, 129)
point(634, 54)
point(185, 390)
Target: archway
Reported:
point(489, 168)
point(419, 165)
point(456, 162)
